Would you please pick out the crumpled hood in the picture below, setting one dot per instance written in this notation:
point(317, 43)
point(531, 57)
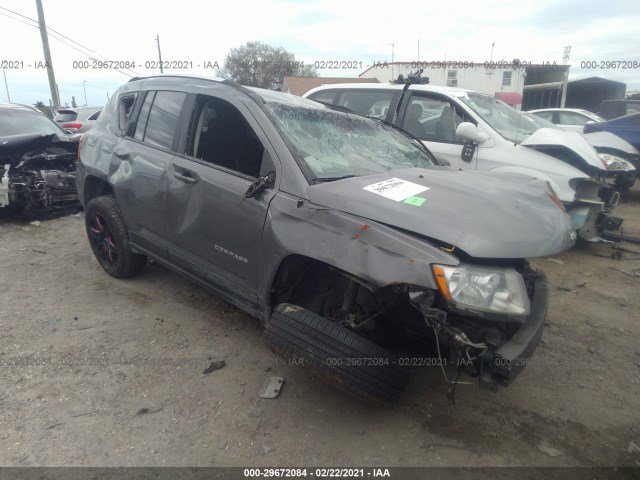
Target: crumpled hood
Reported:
point(572, 140)
point(487, 215)
point(18, 149)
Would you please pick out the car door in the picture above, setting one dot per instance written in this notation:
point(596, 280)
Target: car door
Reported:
point(433, 118)
point(141, 157)
point(213, 229)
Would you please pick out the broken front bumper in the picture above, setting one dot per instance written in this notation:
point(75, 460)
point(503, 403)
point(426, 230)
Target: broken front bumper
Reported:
point(501, 366)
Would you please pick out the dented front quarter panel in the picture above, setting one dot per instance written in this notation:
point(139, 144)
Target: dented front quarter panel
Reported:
point(376, 254)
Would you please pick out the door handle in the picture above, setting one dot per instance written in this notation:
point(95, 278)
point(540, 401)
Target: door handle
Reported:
point(185, 177)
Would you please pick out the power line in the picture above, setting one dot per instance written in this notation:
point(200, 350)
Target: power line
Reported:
point(55, 34)
point(48, 28)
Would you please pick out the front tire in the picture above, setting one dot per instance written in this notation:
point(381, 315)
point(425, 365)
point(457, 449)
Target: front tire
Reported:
point(109, 239)
point(343, 358)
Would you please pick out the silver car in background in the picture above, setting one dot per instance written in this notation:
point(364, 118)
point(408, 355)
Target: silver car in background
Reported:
point(77, 120)
point(569, 119)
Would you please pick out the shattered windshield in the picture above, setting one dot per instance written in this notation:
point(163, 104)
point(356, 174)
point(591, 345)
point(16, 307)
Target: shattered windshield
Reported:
point(337, 145)
point(13, 122)
point(505, 120)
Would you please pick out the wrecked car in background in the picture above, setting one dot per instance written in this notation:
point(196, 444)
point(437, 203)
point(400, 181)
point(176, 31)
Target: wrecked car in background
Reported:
point(612, 152)
point(37, 163)
point(473, 130)
point(342, 234)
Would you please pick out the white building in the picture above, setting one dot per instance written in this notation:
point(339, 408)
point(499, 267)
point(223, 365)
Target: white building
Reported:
point(507, 81)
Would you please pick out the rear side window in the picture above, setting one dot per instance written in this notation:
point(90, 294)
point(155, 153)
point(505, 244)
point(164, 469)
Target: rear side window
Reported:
point(94, 116)
point(546, 115)
point(144, 116)
point(126, 103)
point(571, 118)
point(324, 97)
point(633, 108)
point(373, 104)
point(163, 118)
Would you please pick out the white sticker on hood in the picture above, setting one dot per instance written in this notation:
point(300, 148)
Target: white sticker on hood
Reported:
point(396, 189)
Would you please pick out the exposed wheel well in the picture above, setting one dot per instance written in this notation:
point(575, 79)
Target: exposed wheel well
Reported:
point(338, 296)
point(300, 278)
point(95, 187)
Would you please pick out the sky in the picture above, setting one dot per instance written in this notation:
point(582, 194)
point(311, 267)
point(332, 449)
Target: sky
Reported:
point(198, 34)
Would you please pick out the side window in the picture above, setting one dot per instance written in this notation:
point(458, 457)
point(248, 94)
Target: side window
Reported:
point(163, 118)
point(144, 116)
point(570, 118)
point(94, 116)
point(546, 115)
point(374, 104)
point(632, 108)
point(222, 136)
point(324, 97)
point(432, 119)
point(126, 103)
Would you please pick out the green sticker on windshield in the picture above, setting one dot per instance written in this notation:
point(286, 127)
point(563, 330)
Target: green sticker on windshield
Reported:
point(417, 201)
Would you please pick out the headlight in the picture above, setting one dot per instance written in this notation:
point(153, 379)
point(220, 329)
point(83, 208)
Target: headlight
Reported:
point(613, 162)
point(488, 289)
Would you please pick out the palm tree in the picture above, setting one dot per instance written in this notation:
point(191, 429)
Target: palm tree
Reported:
point(43, 108)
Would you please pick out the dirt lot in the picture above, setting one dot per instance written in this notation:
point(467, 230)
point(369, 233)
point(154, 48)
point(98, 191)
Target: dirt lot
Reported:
point(123, 383)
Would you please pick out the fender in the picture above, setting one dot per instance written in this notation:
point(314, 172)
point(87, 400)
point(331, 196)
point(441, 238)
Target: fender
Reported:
point(565, 192)
point(374, 253)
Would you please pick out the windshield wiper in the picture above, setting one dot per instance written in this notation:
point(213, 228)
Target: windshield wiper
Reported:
point(331, 179)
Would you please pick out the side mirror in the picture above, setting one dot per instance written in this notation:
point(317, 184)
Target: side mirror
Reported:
point(444, 162)
point(262, 183)
point(469, 131)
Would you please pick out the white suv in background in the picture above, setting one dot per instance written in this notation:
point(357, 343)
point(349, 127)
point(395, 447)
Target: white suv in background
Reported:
point(473, 130)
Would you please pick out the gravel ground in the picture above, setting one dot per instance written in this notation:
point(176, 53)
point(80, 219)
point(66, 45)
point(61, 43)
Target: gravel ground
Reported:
point(122, 382)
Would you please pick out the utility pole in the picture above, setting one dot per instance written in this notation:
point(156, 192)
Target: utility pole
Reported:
point(6, 85)
point(47, 55)
point(159, 53)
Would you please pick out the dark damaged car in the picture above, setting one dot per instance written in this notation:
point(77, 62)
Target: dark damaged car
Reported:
point(340, 233)
point(37, 163)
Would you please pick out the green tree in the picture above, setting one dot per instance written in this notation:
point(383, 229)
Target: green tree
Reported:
point(257, 64)
point(43, 108)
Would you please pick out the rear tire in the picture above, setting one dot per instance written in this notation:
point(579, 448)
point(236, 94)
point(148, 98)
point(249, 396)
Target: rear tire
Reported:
point(109, 239)
point(343, 358)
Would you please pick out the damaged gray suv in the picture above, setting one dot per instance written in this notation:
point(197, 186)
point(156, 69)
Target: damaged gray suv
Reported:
point(358, 252)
